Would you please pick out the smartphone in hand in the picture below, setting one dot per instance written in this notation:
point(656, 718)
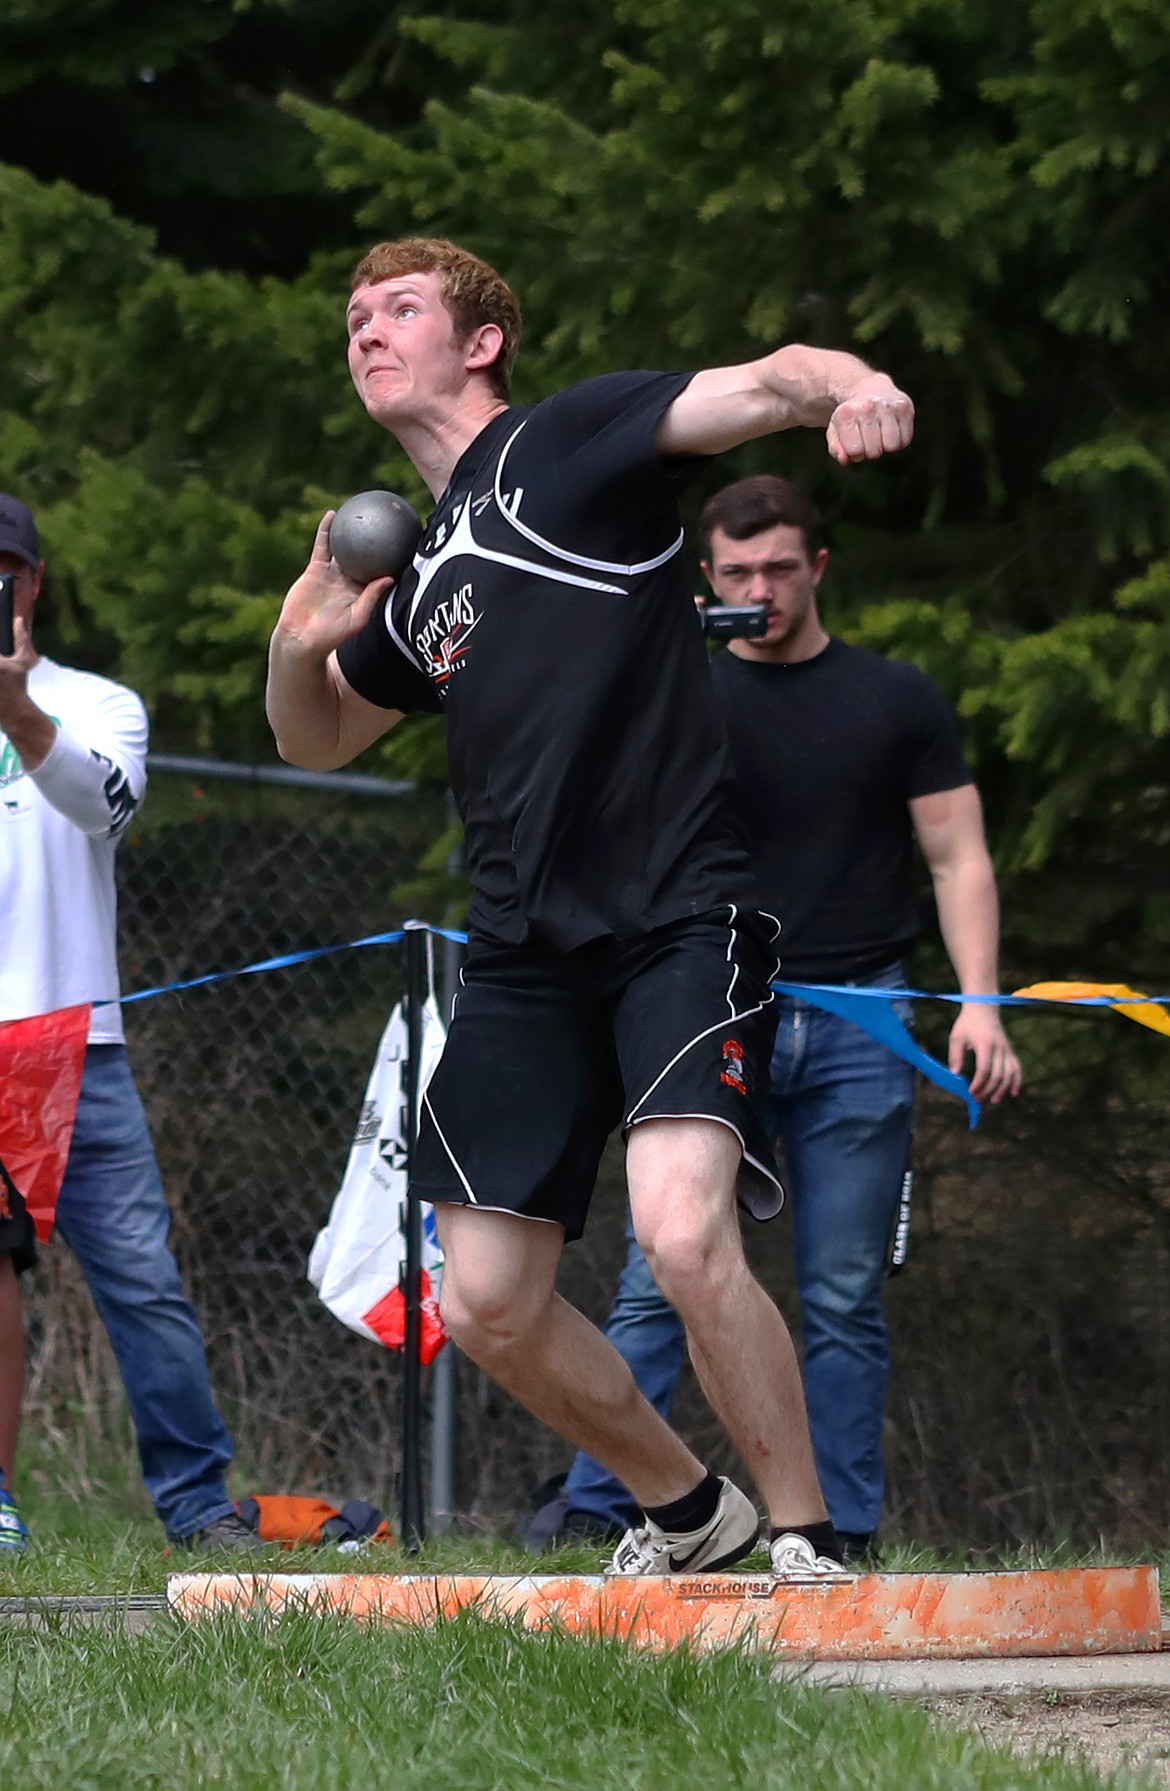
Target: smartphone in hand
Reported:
point(7, 610)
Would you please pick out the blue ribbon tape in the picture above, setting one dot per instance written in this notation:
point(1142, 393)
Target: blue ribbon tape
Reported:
point(888, 1028)
point(847, 1001)
point(292, 957)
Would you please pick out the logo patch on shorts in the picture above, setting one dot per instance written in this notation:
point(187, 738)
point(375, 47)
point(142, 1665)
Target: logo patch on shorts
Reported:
point(732, 1072)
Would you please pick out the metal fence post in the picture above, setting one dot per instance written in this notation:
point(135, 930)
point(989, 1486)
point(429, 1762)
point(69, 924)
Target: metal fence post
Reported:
point(445, 1372)
point(413, 1520)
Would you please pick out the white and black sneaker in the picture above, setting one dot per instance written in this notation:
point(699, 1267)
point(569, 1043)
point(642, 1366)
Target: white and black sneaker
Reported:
point(795, 1560)
point(730, 1535)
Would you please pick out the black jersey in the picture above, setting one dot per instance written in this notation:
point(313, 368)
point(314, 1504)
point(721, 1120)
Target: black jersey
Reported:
point(548, 615)
point(829, 752)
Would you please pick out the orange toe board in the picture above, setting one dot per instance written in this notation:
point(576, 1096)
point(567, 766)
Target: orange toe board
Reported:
point(877, 1616)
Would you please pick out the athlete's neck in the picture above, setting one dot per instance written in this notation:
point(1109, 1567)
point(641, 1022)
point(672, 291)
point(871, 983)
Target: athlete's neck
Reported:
point(436, 443)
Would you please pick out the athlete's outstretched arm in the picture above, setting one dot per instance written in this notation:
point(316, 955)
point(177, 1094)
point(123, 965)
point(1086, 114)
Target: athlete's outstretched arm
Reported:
point(862, 412)
point(319, 720)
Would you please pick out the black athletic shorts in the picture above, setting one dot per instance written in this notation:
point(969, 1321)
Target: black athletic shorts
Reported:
point(549, 1051)
point(18, 1239)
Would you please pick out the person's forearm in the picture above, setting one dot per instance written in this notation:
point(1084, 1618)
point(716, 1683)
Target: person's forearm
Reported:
point(302, 705)
point(863, 412)
point(30, 730)
point(98, 791)
point(803, 386)
point(968, 917)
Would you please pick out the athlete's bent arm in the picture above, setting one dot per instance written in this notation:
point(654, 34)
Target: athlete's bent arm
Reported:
point(949, 826)
point(319, 720)
point(863, 413)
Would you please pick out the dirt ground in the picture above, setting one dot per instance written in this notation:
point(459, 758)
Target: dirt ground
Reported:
point(1108, 1731)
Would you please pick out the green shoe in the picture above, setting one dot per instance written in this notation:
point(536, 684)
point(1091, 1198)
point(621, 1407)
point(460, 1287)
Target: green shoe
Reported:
point(14, 1537)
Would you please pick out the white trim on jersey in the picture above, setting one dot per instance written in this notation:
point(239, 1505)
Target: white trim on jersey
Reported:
point(399, 642)
point(563, 553)
point(462, 542)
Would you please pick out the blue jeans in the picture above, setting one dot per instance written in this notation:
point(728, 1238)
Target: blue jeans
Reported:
point(113, 1215)
point(843, 1105)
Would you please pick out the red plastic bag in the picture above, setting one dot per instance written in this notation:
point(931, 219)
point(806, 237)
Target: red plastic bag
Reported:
point(387, 1320)
point(41, 1061)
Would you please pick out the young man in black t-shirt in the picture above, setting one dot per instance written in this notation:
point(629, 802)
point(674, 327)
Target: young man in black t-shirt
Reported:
point(619, 970)
point(842, 757)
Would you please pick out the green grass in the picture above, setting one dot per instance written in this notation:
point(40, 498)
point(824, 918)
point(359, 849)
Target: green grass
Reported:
point(320, 1705)
point(94, 1531)
point(317, 1704)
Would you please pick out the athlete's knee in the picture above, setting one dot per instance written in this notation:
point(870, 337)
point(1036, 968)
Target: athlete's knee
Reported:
point(693, 1255)
point(498, 1277)
point(489, 1318)
point(487, 1330)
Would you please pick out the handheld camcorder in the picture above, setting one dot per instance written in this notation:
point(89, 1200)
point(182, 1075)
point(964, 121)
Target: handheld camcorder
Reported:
point(7, 609)
point(732, 621)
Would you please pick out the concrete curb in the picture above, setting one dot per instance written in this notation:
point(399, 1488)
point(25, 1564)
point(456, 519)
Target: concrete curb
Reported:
point(875, 1617)
point(138, 1611)
point(1135, 1675)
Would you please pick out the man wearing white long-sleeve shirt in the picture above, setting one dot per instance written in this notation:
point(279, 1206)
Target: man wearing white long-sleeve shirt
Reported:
point(72, 774)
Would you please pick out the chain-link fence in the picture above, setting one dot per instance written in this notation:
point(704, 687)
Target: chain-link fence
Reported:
point(1032, 1326)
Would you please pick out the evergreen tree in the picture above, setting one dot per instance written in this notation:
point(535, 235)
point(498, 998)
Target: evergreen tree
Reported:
point(971, 195)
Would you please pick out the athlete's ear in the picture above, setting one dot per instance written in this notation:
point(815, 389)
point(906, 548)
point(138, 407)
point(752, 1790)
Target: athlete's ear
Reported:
point(484, 345)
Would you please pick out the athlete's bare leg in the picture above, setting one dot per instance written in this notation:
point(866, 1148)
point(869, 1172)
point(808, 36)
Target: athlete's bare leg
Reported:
point(11, 1363)
point(682, 1198)
point(499, 1303)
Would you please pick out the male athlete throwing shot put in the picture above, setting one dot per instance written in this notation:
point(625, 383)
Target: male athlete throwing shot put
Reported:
point(618, 971)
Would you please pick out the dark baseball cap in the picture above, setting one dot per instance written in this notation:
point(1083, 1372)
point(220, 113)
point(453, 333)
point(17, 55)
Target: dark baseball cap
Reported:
point(18, 531)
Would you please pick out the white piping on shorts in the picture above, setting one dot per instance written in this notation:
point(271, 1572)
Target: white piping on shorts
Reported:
point(455, 1164)
point(533, 1218)
point(537, 1218)
point(719, 1025)
point(734, 966)
point(699, 1036)
point(761, 1169)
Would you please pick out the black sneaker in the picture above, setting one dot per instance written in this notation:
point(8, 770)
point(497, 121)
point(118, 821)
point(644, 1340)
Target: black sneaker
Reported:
point(227, 1535)
point(549, 1506)
point(859, 1550)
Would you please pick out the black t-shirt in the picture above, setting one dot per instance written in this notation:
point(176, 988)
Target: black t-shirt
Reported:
point(828, 753)
point(548, 615)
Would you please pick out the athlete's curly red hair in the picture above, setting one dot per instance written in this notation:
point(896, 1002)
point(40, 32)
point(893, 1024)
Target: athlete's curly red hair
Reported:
point(473, 292)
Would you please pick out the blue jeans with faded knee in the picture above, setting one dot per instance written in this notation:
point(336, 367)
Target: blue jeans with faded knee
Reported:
point(113, 1215)
point(843, 1106)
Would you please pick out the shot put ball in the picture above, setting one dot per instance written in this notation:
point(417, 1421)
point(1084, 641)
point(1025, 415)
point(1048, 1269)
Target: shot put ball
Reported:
point(374, 535)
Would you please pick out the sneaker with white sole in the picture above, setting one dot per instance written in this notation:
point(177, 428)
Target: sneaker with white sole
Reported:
point(795, 1559)
point(731, 1534)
